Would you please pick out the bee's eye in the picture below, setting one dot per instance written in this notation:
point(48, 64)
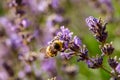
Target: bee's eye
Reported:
point(57, 46)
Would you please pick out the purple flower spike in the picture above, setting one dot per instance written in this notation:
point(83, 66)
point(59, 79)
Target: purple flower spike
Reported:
point(84, 54)
point(97, 28)
point(107, 49)
point(75, 45)
point(77, 41)
point(91, 22)
point(113, 63)
point(118, 68)
point(95, 63)
point(65, 34)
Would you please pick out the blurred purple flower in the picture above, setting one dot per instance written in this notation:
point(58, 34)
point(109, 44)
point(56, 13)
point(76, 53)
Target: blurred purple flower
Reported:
point(52, 19)
point(55, 4)
point(27, 68)
point(108, 4)
point(3, 74)
point(15, 40)
point(49, 66)
point(21, 74)
point(25, 23)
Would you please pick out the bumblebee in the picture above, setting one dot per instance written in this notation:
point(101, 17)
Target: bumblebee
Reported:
point(51, 52)
point(52, 49)
point(58, 45)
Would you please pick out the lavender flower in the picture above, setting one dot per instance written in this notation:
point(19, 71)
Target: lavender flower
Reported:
point(113, 62)
point(75, 44)
point(95, 62)
point(83, 54)
point(65, 34)
point(118, 68)
point(107, 49)
point(67, 55)
point(96, 27)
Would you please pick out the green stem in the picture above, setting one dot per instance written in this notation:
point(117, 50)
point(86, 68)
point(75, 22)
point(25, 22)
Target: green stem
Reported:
point(107, 71)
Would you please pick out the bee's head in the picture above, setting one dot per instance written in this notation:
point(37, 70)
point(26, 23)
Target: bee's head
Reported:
point(58, 45)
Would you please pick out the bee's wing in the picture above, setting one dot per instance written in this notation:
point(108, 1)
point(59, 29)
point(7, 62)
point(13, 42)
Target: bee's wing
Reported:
point(43, 52)
point(43, 49)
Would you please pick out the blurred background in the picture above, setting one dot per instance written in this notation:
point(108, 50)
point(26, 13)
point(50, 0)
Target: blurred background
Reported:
point(28, 25)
